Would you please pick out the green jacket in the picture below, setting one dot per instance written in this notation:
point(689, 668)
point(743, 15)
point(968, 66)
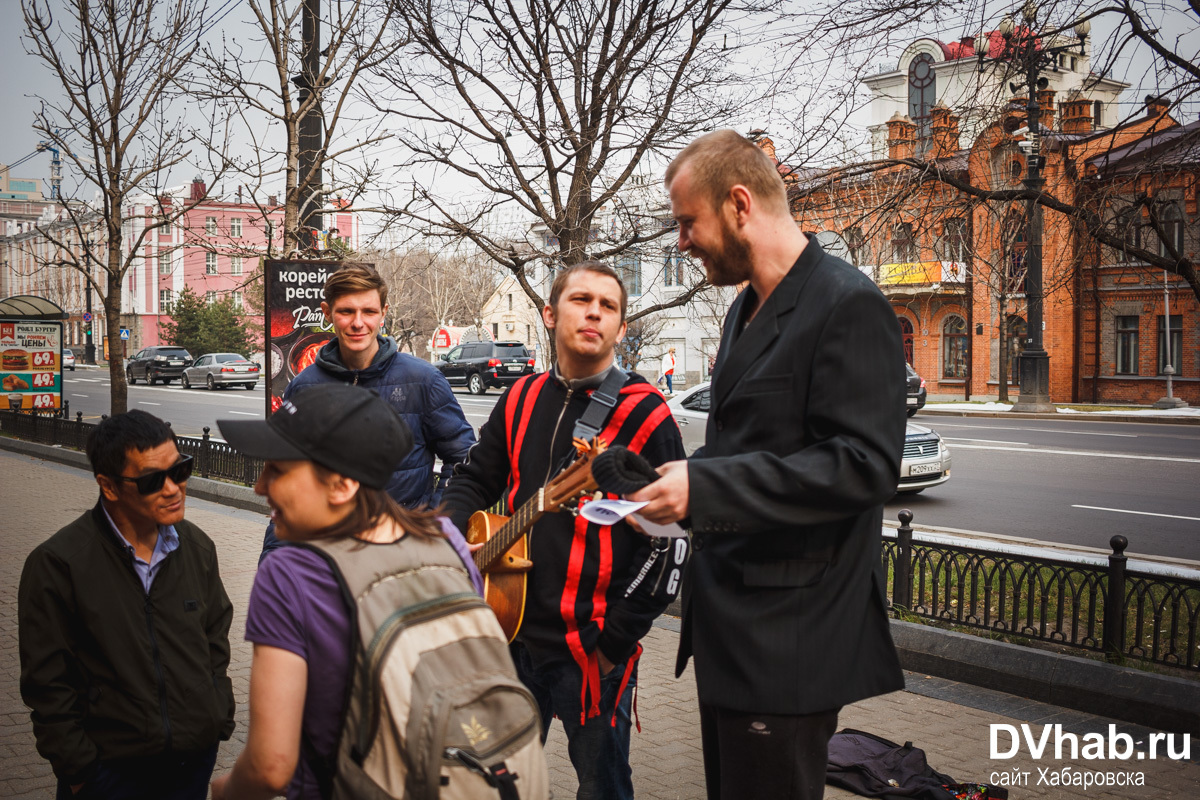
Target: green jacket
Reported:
point(111, 671)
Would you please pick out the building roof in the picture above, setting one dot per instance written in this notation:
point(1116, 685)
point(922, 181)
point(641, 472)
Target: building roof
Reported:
point(1160, 149)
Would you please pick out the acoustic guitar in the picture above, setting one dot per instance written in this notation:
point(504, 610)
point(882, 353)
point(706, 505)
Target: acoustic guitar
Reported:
point(504, 557)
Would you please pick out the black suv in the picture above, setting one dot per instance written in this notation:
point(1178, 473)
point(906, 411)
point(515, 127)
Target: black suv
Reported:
point(478, 365)
point(916, 390)
point(154, 364)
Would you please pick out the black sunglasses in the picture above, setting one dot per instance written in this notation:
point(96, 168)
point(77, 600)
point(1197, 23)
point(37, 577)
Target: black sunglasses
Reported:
point(153, 482)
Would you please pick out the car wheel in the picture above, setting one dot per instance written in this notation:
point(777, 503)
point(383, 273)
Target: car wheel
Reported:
point(129, 377)
point(184, 382)
point(249, 386)
point(912, 412)
point(475, 384)
point(209, 383)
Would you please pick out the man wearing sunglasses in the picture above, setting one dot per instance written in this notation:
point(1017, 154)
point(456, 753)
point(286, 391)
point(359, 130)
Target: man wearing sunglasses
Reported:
point(124, 630)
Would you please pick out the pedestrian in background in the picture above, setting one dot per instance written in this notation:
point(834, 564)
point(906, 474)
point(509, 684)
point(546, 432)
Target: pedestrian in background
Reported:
point(124, 630)
point(668, 369)
point(783, 600)
point(355, 304)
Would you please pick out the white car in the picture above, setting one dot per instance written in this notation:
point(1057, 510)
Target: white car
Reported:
point(926, 460)
point(68, 360)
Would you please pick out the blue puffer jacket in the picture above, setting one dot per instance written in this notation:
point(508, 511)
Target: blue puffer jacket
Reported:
point(419, 393)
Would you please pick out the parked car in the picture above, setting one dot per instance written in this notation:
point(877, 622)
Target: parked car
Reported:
point(926, 460)
point(478, 365)
point(160, 363)
point(68, 360)
point(221, 369)
point(916, 390)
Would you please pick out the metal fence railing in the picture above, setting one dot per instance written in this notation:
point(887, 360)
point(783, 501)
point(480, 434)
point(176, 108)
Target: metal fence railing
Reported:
point(1109, 609)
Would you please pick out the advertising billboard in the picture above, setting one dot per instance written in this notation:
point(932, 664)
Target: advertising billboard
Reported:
point(31, 365)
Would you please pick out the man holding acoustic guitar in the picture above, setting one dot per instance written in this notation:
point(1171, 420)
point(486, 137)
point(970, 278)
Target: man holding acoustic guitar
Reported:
point(576, 597)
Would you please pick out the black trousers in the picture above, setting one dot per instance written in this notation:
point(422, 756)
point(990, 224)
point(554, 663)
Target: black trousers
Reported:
point(765, 756)
point(170, 776)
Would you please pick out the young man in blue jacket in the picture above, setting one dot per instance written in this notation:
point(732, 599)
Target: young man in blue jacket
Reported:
point(355, 302)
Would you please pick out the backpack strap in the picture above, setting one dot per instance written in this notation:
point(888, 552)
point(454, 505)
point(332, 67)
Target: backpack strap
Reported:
point(603, 401)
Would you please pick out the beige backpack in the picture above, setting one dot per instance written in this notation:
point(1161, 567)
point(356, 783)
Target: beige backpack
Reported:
point(435, 709)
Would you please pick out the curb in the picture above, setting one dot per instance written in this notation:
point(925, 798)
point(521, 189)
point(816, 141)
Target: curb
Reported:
point(1088, 415)
point(1094, 687)
point(228, 494)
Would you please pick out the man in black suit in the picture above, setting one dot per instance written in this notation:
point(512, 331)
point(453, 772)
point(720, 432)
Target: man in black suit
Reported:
point(783, 600)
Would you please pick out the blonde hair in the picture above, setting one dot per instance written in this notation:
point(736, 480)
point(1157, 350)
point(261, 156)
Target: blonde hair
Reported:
point(723, 159)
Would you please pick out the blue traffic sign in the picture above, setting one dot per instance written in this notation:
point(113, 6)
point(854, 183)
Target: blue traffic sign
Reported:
point(125, 333)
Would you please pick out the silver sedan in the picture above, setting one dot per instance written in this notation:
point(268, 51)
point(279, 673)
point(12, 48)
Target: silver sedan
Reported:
point(926, 460)
point(221, 369)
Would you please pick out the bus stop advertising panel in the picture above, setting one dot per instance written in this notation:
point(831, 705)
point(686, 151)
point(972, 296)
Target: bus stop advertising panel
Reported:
point(31, 365)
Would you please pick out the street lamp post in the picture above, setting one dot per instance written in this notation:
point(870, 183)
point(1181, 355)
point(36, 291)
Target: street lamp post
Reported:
point(1170, 401)
point(1023, 47)
point(89, 351)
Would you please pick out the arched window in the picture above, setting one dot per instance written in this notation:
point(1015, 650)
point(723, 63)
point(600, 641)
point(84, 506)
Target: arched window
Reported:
point(906, 335)
point(954, 347)
point(922, 94)
point(856, 243)
point(1129, 229)
point(1015, 241)
point(1171, 220)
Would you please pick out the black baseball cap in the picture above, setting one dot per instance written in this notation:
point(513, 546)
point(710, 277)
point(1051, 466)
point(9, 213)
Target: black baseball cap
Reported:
point(348, 429)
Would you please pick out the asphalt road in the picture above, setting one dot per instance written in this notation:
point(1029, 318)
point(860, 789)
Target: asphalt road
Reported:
point(1076, 481)
point(1070, 480)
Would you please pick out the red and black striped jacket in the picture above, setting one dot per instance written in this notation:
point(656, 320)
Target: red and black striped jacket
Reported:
point(575, 601)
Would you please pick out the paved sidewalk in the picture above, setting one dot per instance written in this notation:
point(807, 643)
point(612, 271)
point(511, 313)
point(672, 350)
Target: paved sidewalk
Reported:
point(949, 721)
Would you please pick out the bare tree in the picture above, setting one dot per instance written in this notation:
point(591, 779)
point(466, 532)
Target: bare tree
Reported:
point(560, 116)
point(263, 80)
point(121, 65)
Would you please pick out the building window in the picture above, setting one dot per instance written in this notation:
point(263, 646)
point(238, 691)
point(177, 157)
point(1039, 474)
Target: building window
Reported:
point(904, 247)
point(1017, 331)
point(630, 270)
point(237, 300)
point(210, 263)
point(235, 265)
point(1015, 243)
point(1176, 344)
point(1130, 231)
point(955, 234)
point(954, 347)
point(1171, 220)
point(528, 334)
point(906, 336)
point(856, 243)
point(165, 230)
point(164, 299)
point(235, 227)
point(922, 94)
point(210, 297)
point(164, 263)
point(210, 226)
point(672, 267)
point(496, 328)
point(510, 302)
point(1127, 345)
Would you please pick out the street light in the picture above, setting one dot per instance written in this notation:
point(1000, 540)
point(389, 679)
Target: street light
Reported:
point(1170, 401)
point(89, 350)
point(1022, 47)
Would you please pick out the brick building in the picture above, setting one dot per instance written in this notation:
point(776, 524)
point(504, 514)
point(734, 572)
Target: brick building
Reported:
point(952, 264)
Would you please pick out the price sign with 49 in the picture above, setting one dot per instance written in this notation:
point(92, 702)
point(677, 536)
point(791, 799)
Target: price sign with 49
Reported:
point(43, 380)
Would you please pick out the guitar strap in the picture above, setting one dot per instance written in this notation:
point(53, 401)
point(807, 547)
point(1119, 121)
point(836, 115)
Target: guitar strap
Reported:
point(603, 401)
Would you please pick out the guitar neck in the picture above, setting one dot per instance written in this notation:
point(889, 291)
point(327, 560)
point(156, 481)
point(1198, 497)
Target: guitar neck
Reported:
point(517, 526)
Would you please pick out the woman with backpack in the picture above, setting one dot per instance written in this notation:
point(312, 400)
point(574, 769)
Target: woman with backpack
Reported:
point(317, 609)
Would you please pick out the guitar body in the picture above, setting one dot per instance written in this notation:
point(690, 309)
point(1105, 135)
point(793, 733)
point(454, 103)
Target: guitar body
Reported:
point(504, 583)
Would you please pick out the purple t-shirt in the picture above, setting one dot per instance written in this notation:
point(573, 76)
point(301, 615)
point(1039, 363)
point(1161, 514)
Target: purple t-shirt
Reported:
point(296, 605)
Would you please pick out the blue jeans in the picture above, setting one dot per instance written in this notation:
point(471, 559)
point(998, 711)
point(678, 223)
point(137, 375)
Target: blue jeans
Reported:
point(170, 776)
point(598, 749)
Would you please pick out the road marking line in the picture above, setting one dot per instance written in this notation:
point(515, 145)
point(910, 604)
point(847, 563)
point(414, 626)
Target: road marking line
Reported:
point(1038, 430)
point(245, 413)
point(1080, 453)
point(1142, 513)
point(85, 380)
point(147, 403)
point(79, 395)
point(989, 441)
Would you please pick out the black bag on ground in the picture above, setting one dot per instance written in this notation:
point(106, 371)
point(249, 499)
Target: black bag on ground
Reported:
point(872, 766)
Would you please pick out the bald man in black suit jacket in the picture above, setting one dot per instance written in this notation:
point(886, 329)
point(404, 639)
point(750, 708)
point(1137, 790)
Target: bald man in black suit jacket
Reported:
point(784, 599)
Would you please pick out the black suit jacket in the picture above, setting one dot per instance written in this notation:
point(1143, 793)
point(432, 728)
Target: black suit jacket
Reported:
point(784, 600)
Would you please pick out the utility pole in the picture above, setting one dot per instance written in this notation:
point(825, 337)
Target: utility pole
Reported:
point(1170, 401)
point(311, 132)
